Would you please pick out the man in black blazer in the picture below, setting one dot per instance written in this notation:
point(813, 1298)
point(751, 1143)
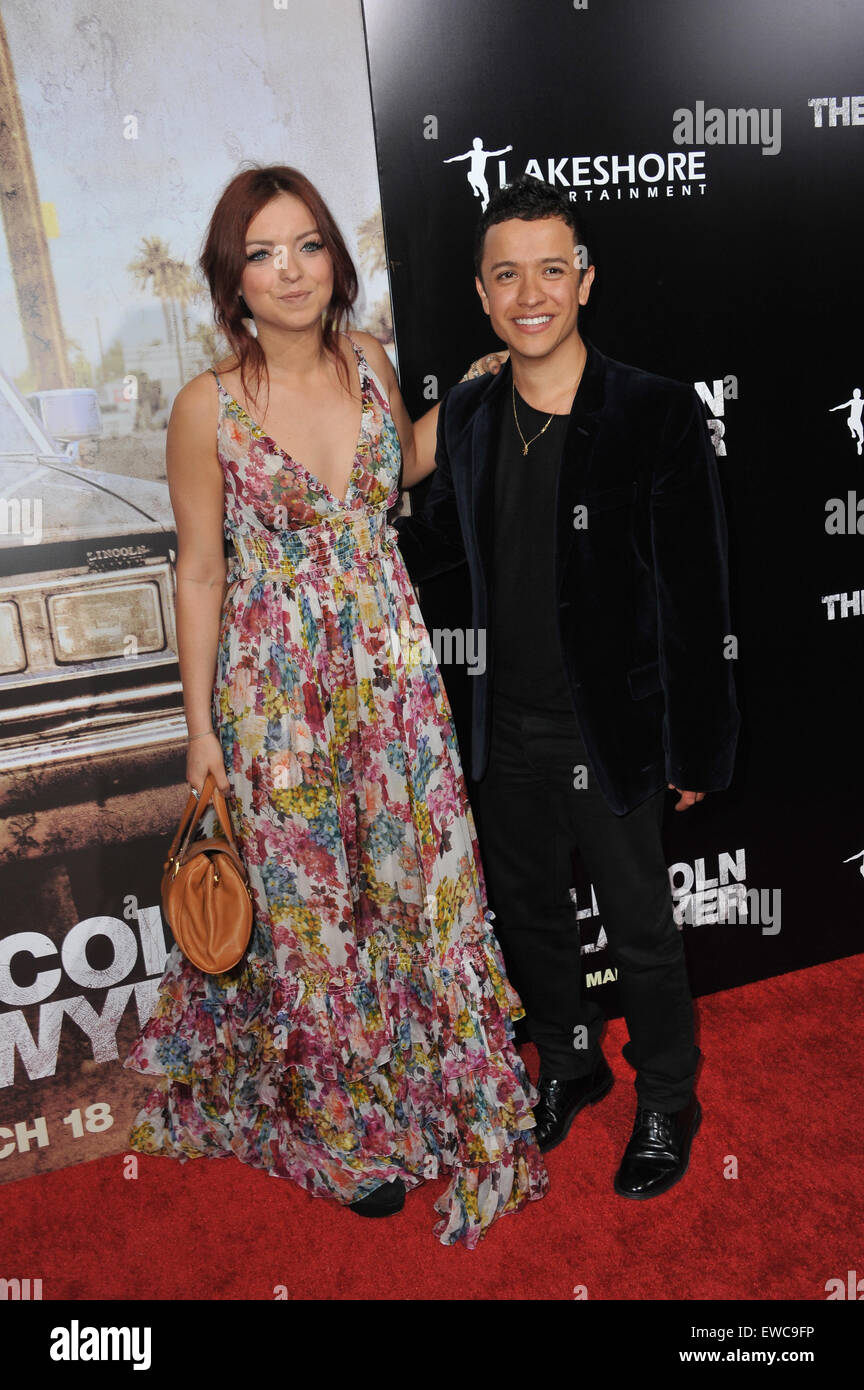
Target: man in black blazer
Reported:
point(584, 496)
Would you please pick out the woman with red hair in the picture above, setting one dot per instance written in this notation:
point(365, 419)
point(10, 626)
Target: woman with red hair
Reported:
point(364, 1043)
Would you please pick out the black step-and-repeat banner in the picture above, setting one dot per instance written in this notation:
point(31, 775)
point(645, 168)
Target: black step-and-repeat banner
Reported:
point(714, 153)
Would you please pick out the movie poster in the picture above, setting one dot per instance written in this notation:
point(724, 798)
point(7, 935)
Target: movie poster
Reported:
point(120, 127)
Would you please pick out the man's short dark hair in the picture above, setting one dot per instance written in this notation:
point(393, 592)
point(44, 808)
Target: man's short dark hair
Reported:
point(528, 199)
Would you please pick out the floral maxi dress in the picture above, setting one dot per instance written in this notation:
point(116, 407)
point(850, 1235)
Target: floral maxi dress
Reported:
point(367, 1033)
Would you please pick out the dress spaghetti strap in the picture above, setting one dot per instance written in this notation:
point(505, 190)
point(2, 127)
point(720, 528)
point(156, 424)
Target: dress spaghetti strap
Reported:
point(369, 369)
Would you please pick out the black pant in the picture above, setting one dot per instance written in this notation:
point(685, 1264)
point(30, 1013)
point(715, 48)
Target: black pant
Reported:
point(529, 817)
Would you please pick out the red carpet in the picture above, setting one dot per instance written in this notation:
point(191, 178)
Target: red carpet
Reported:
point(782, 1094)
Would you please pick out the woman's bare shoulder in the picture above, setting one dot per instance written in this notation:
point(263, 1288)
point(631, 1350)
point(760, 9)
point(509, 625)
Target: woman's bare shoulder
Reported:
point(228, 364)
point(374, 352)
point(198, 393)
point(197, 402)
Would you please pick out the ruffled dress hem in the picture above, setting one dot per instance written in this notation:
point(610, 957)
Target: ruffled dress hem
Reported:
point(241, 1052)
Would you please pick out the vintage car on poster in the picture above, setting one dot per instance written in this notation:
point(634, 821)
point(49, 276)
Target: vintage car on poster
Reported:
point(92, 743)
point(88, 661)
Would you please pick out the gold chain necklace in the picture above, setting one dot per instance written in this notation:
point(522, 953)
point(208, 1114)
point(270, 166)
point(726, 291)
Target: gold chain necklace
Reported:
point(526, 443)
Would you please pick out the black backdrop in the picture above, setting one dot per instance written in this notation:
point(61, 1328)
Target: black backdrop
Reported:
point(752, 279)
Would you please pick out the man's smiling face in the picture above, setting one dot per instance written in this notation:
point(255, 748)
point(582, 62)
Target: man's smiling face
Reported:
point(532, 285)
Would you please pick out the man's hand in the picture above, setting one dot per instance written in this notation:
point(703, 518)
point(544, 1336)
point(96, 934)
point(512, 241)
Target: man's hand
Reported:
point(492, 362)
point(688, 799)
point(421, 462)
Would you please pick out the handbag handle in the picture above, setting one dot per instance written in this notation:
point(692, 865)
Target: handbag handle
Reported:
point(194, 807)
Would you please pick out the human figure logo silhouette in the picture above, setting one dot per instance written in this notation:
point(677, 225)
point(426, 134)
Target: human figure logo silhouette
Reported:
point(852, 859)
point(477, 168)
point(856, 404)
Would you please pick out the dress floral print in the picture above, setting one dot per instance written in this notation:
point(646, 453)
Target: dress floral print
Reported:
point(367, 1033)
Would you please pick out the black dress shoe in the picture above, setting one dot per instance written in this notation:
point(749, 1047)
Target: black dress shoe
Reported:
point(386, 1200)
point(658, 1154)
point(561, 1100)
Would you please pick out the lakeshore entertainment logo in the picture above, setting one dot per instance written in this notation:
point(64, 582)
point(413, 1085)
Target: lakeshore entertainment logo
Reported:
point(852, 859)
point(77, 1343)
point(610, 176)
point(855, 405)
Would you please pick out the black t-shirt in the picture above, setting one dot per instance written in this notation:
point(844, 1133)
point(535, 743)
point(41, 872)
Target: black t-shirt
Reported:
point(528, 665)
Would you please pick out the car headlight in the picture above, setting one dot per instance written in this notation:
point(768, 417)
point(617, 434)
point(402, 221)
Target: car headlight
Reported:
point(88, 625)
point(12, 655)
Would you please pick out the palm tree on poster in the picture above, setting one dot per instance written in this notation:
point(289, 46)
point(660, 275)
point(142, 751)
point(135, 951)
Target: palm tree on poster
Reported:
point(189, 289)
point(213, 346)
point(170, 280)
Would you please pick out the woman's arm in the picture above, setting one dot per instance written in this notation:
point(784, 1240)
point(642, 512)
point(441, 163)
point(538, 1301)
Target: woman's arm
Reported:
point(426, 428)
point(425, 438)
point(197, 497)
point(418, 441)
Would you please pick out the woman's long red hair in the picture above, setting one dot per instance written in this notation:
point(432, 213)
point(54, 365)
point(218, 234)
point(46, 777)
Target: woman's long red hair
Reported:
point(223, 261)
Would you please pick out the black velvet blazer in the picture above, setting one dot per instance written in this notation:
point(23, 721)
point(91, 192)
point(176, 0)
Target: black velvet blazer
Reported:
point(642, 586)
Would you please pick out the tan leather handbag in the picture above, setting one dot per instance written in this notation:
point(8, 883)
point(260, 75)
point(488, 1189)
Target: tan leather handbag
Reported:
point(206, 897)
